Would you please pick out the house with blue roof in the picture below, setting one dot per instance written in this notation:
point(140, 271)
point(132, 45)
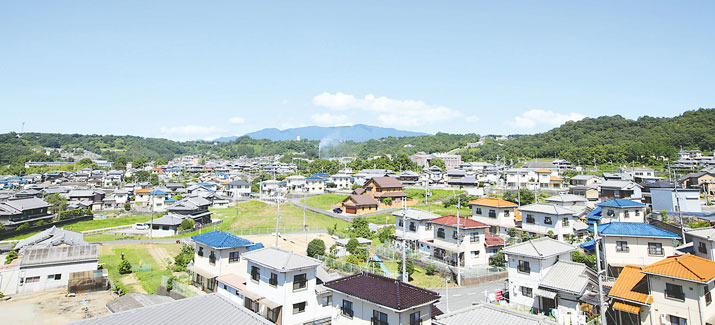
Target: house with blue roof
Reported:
point(314, 185)
point(618, 210)
point(634, 243)
point(217, 253)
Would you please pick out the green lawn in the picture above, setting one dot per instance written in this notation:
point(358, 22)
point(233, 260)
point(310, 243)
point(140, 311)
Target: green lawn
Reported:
point(442, 211)
point(138, 254)
point(437, 194)
point(325, 201)
point(381, 219)
point(96, 224)
point(419, 277)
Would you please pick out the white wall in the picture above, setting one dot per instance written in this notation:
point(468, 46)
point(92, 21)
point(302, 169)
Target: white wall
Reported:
point(541, 227)
point(363, 312)
point(539, 268)
point(693, 308)
point(222, 265)
point(637, 250)
point(44, 271)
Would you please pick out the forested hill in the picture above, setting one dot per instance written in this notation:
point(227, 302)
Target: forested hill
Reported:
point(610, 138)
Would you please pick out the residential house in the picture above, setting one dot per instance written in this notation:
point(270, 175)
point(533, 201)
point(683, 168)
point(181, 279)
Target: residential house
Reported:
point(488, 314)
point(703, 240)
point(413, 226)
point(548, 180)
point(648, 186)
point(577, 203)
point(618, 210)
point(283, 287)
point(620, 189)
point(359, 204)
point(639, 174)
point(565, 288)
point(342, 181)
point(408, 177)
point(697, 179)
point(150, 200)
point(218, 253)
point(464, 182)
point(528, 263)
point(459, 240)
point(499, 214)
point(15, 212)
point(382, 188)
point(633, 243)
point(238, 189)
point(674, 290)
point(366, 298)
point(116, 200)
point(232, 286)
point(49, 238)
point(314, 185)
point(295, 183)
point(672, 200)
point(549, 219)
point(434, 174)
point(194, 207)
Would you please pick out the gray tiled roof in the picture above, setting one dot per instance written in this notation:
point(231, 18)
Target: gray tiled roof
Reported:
point(416, 214)
point(547, 209)
point(486, 314)
point(59, 254)
point(280, 259)
point(207, 309)
point(539, 248)
point(568, 276)
point(51, 237)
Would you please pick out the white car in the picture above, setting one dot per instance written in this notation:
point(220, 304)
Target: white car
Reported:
point(141, 226)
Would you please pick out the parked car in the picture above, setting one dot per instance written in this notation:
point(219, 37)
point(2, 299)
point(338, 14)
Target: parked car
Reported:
point(338, 210)
point(141, 226)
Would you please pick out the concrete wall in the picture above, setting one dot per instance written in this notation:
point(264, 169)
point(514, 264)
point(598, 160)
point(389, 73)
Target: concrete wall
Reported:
point(43, 271)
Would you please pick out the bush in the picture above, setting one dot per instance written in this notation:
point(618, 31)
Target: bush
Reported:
point(385, 233)
point(127, 206)
point(41, 223)
point(170, 283)
point(120, 289)
point(352, 246)
point(589, 260)
point(2, 227)
point(186, 224)
point(185, 256)
point(387, 201)
point(361, 228)
point(125, 267)
point(430, 269)
point(352, 259)
point(498, 260)
point(316, 247)
point(10, 257)
point(462, 199)
point(23, 226)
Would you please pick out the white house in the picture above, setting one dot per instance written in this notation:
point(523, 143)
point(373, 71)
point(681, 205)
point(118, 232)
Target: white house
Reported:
point(416, 228)
point(545, 219)
point(703, 242)
point(618, 210)
point(342, 181)
point(295, 183)
point(499, 214)
point(238, 189)
point(282, 287)
point(150, 200)
point(465, 246)
point(366, 298)
point(527, 265)
point(314, 185)
point(217, 253)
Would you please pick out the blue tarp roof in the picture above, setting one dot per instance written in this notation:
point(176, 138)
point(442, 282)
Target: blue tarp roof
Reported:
point(633, 229)
point(220, 239)
point(321, 175)
point(158, 192)
point(595, 214)
point(207, 184)
point(589, 245)
point(620, 203)
point(314, 178)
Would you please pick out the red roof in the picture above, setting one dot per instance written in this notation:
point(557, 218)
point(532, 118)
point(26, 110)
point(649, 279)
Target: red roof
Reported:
point(464, 222)
point(493, 240)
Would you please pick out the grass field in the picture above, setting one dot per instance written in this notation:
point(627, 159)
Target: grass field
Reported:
point(442, 211)
point(139, 254)
point(96, 224)
point(437, 194)
point(325, 201)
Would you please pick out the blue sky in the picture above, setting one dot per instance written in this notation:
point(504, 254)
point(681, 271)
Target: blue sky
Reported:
point(187, 69)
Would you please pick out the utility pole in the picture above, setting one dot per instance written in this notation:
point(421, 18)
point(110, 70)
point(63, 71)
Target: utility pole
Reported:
point(446, 291)
point(459, 242)
point(278, 216)
point(680, 213)
point(596, 239)
point(305, 229)
point(404, 242)
point(151, 207)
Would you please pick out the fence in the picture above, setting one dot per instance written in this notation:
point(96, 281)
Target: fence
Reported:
point(346, 267)
point(178, 287)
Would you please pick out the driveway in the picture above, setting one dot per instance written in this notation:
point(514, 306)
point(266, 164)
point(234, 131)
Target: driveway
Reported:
point(464, 297)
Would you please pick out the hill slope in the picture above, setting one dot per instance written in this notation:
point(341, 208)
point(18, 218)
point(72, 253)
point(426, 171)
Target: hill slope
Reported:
point(357, 133)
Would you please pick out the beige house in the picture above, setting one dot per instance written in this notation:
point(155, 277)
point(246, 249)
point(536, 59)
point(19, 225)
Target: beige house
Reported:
point(499, 214)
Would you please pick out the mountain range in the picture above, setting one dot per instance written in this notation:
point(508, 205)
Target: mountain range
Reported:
point(356, 133)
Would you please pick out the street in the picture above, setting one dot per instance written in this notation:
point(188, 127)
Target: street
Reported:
point(464, 297)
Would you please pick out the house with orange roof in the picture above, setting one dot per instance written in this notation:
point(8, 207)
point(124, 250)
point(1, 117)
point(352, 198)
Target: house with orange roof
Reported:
point(499, 214)
point(150, 200)
point(466, 246)
point(675, 290)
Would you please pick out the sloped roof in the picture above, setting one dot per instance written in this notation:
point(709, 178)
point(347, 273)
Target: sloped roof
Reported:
point(547, 209)
point(134, 300)
point(464, 222)
point(387, 181)
point(488, 314)
point(220, 239)
point(556, 179)
point(211, 308)
point(633, 229)
point(59, 254)
point(416, 214)
point(52, 237)
point(493, 240)
point(383, 291)
point(686, 267)
point(280, 259)
point(543, 171)
point(704, 233)
point(629, 277)
point(361, 199)
point(620, 203)
point(566, 198)
point(493, 202)
point(568, 276)
point(539, 248)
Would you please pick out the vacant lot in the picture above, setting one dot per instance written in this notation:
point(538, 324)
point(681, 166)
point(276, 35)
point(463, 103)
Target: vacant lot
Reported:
point(52, 307)
point(144, 256)
point(97, 224)
point(325, 201)
point(437, 194)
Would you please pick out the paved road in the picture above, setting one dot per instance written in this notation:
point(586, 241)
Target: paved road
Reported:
point(299, 204)
point(465, 296)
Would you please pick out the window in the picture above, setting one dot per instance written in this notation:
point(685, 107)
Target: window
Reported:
point(675, 320)
point(547, 220)
point(412, 226)
point(674, 291)
point(255, 273)
point(622, 246)
point(212, 258)
point(638, 213)
point(273, 281)
point(428, 226)
point(475, 253)
point(529, 218)
point(526, 292)
point(32, 279)
point(415, 318)
point(524, 267)
point(251, 304)
point(440, 233)
point(379, 318)
point(708, 296)
point(201, 251)
point(300, 282)
point(626, 214)
point(299, 307)
point(492, 214)
point(702, 248)
point(655, 249)
point(233, 257)
point(454, 234)
point(57, 276)
point(399, 222)
point(347, 309)
point(506, 213)
point(610, 213)
point(272, 314)
point(565, 222)
point(474, 237)
point(327, 301)
point(478, 211)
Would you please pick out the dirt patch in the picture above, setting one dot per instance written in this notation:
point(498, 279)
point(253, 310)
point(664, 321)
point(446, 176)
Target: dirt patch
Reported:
point(52, 307)
point(132, 281)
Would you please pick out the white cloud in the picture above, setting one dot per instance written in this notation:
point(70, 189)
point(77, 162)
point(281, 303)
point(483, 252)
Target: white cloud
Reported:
point(542, 118)
point(284, 102)
point(391, 112)
point(191, 132)
point(330, 119)
point(236, 120)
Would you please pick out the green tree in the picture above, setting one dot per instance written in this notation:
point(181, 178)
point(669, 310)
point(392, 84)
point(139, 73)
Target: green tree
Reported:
point(498, 260)
point(385, 233)
point(186, 224)
point(352, 246)
point(154, 179)
point(361, 228)
point(410, 268)
point(160, 161)
point(120, 162)
point(589, 260)
point(527, 197)
point(12, 255)
point(664, 215)
point(59, 203)
point(125, 267)
point(430, 269)
point(127, 206)
point(185, 256)
point(387, 201)
point(437, 162)
point(142, 176)
point(139, 163)
point(316, 247)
